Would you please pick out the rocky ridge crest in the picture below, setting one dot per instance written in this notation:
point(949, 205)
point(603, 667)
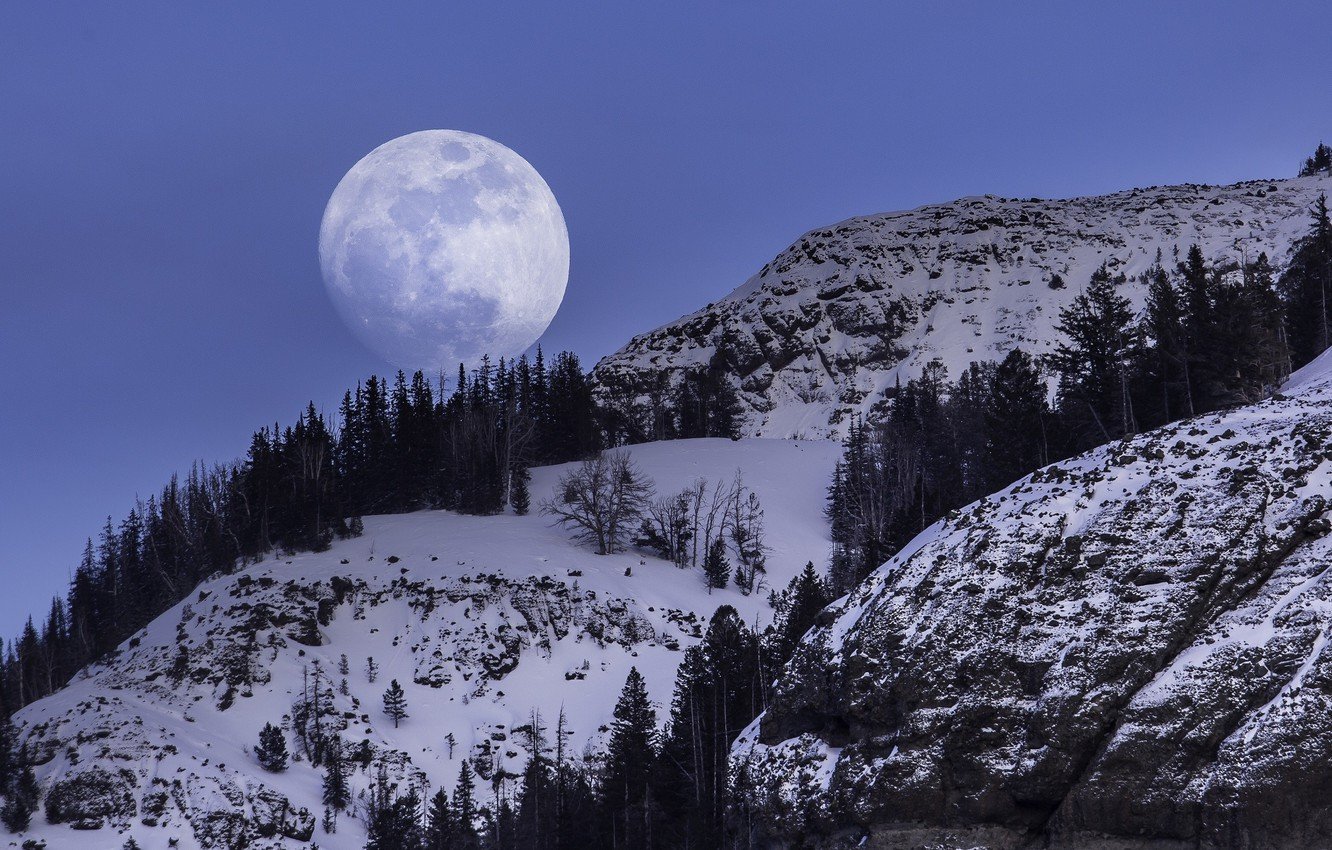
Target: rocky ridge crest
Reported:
point(835, 320)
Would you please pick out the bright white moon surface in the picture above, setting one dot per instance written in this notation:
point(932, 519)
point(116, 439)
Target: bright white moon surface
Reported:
point(441, 246)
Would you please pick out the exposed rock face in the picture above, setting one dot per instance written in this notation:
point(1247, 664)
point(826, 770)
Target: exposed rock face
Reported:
point(464, 635)
point(846, 311)
point(1125, 650)
point(93, 795)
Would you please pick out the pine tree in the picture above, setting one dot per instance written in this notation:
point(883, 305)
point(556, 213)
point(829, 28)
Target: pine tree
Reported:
point(724, 409)
point(271, 751)
point(9, 764)
point(1168, 367)
point(395, 703)
point(520, 496)
point(439, 829)
point(718, 691)
point(1319, 163)
point(392, 820)
point(465, 809)
point(534, 819)
point(22, 795)
point(1306, 287)
point(1250, 359)
point(1013, 420)
point(337, 789)
point(715, 566)
point(371, 670)
point(1093, 362)
point(630, 755)
point(1261, 300)
point(1203, 290)
point(797, 609)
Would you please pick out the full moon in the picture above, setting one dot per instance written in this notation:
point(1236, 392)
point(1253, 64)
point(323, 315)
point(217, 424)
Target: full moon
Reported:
point(441, 246)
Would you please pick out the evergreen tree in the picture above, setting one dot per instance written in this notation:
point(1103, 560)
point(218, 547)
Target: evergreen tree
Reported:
point(1306, 287)
point(395, 703)
point(520, 496)
point(1093, 362)
point(716, 569)
point(1167, 369)
point(337, 789)
point(440, 825)
point(718, 691)
point(392, 820)
point(535, 818)
point(271, 751)
point(22, 795)
point(1319, 163)
point(1014, 422)
point(9, 763)
point(630, 755)
point(1203, 291)
point(797, 608)
point(569, 429)
point(466, 836)
point(1250, 358)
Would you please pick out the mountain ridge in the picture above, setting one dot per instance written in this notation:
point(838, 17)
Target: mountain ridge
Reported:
point(1123, 650)
point(833, 322)
point(156, 741)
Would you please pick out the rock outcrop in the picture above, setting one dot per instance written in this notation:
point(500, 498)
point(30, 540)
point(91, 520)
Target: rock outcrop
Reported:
point(840, 316)
point(1125, 650)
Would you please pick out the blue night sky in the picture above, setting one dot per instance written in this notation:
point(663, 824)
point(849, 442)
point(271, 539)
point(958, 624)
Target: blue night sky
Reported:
point(165, 167)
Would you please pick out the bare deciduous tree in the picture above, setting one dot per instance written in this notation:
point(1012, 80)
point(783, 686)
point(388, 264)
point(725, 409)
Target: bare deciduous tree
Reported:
point(746, 529)
point(602, 500)
point(666, 528)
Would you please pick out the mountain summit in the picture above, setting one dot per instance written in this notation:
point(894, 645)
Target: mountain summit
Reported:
point(848, 311)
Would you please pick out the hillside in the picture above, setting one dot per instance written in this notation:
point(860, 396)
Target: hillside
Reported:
point(1125, 650)
point(482, 620)
point(848, 310)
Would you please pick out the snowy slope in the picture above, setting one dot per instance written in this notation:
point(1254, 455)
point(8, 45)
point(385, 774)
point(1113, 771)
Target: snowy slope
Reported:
point(850, 309)
point(1126, 650)
point(481, 619)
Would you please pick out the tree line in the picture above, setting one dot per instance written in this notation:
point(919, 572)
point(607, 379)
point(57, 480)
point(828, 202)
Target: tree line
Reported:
point(392, 447)
point(1213, 334)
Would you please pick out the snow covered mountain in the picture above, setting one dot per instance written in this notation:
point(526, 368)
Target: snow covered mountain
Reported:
point(481, 619)
point(1125, 650)
point(850, 309)
point(1122, 645)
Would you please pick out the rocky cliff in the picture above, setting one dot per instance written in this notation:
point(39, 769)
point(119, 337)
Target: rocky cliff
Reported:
point(847, 310)
point(1125, 650)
